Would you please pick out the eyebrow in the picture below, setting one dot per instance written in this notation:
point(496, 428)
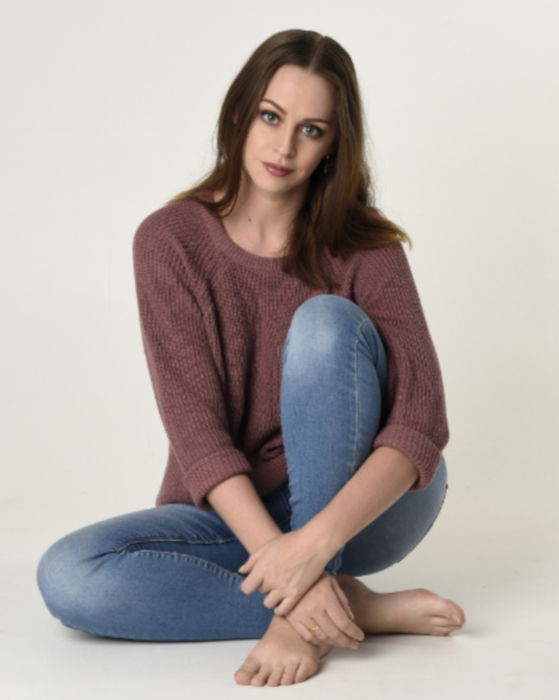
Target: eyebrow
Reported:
point(281, 109)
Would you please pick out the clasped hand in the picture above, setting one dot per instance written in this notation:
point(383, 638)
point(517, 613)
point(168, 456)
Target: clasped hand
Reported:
point(285, 567)
point(324, 615)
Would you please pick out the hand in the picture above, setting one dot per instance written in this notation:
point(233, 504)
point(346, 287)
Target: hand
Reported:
point(326, 605)
point(285, 567)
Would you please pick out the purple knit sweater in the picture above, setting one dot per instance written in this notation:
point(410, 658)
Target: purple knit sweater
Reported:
point(214, 317)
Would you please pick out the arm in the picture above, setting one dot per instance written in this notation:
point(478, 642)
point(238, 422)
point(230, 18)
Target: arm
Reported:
point(381, 480)
point(414, 421)
point(406, 450)
point(185, 373)
point(287, 566)
point(239, 504)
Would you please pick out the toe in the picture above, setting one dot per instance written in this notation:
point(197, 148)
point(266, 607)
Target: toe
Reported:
point(455, 612)
point(457, 616)
point(262, 676)
point(446, 621)
point(288, 677)
point(275, 676)
point(450, 611)
point(445, 625)
point(244, 675)
point(304, 671)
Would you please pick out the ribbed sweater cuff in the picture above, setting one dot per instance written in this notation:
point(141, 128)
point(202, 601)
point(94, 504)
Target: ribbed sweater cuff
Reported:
point(424, 454)
point(210, 471)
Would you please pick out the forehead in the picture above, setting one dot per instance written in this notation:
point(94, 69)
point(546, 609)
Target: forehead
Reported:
point(298, 90)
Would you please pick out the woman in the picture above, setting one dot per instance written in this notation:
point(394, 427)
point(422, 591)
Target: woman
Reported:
point(306, 425)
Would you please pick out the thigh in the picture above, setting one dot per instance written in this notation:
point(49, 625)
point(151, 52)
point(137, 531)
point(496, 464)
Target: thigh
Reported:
point(174, 527)
point(163, 573)
point(394, 534)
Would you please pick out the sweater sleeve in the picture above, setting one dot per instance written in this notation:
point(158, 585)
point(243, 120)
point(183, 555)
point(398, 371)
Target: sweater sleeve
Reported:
point(415, 420)
point(187, 386)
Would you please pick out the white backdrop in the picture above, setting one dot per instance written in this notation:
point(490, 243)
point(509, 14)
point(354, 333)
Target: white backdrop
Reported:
point(110, 108)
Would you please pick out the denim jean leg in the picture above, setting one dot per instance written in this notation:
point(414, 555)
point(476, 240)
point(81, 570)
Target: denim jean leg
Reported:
point(167, 573)
point(398, 530)
point(334, 373)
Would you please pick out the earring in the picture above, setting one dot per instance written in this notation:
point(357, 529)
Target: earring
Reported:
point(326, 163)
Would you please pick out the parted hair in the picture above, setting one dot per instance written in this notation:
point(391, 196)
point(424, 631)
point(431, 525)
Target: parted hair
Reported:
point(339, 212)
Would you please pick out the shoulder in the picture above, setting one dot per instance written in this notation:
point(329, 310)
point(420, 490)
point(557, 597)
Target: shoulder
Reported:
point(381, 273)
point(386, 263)
point(177, 226)
point(383, 255)
point(171, 219)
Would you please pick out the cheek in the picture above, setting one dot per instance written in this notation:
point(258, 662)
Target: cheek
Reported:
point(256, 140)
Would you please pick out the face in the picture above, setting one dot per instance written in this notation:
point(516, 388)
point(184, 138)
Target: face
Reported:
point(294, 127)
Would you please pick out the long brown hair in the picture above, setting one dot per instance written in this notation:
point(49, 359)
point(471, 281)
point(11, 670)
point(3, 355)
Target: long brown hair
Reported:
point(339, 211)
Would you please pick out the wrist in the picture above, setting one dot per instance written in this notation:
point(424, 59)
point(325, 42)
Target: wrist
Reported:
point(320, 539)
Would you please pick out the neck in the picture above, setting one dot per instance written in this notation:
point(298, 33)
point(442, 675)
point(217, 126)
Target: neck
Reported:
point(265, 217)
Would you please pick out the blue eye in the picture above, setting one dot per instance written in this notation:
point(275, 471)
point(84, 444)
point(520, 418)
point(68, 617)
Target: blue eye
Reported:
point(264, 112)
point(317, 131)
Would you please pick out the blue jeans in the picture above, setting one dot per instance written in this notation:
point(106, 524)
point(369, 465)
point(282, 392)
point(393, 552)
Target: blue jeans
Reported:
point(169, 573)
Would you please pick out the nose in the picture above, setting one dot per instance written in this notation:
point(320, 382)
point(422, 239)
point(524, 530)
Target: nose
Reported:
point(286, 146)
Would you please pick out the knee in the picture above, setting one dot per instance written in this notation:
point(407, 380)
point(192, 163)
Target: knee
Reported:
point(58, 575)
point(325, 308)
point(321, 322)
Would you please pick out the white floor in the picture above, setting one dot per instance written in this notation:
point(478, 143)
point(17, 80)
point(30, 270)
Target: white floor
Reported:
point(499, 568)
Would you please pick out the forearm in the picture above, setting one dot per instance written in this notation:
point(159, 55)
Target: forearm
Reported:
point(239, 504)
point(380, 481)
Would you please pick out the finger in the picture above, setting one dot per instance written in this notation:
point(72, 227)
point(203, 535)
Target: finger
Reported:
point(337, 635)
point(329, 632)
point(343, 598)
point(272, 600)
point(287, 605)
point(347, 627)
point(250, 584)
point(304, 632)
point(348, 630)
point(247, 566)
point(316, 631)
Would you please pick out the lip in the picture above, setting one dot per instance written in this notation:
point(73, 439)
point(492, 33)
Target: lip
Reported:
point(277, 170)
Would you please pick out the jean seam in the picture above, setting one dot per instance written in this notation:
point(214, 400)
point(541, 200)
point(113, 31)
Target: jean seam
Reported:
point(200, 561)
point(356, 392)
point(337, 558)
point(222, 540)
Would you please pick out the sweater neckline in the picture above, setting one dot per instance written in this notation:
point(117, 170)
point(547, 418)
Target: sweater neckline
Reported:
point(234, 251)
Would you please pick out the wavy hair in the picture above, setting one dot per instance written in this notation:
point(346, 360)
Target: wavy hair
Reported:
point(339, 211)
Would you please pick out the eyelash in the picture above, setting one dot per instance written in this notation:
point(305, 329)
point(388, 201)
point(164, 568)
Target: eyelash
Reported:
point(318, 130)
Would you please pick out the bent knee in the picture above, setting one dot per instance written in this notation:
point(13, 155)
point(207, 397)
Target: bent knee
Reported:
point(64, 580)
point(56, 573)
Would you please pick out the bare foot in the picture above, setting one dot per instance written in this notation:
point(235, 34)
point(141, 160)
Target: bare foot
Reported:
point(281, 657)
point(416, 611)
